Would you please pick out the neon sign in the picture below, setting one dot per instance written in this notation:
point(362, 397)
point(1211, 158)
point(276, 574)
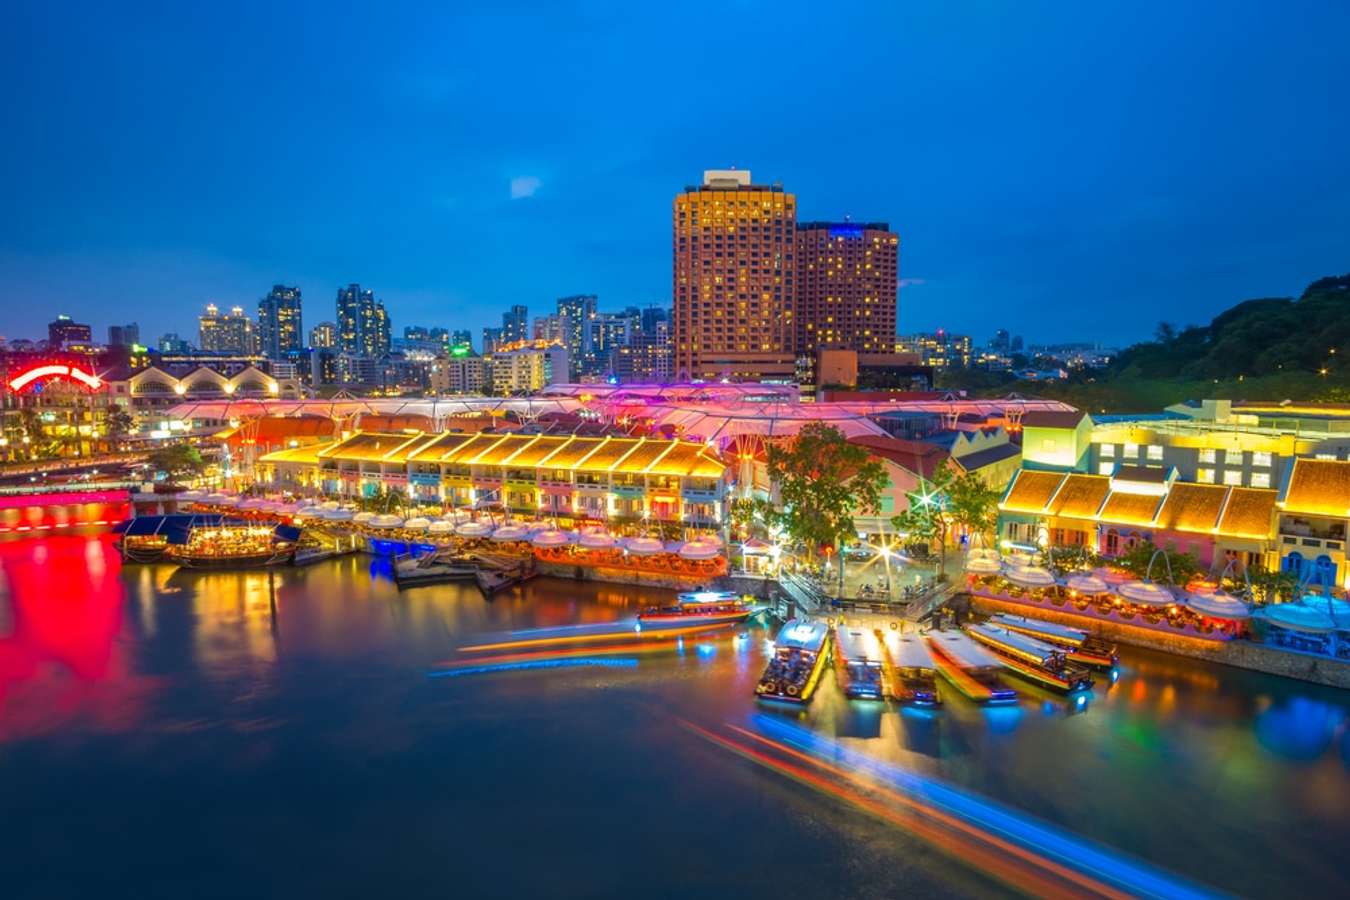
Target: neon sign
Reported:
point(74, 373)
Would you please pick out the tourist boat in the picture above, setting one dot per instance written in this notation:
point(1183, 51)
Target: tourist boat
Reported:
point(972, 670)
point(206, 541)
point(859, 656)
point(697, 609)
point(914, 678)
point(1032, 659)
point(1078, 645)
point(799, 656)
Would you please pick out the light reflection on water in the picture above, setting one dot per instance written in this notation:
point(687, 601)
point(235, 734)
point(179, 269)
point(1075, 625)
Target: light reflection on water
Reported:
point(152, 675)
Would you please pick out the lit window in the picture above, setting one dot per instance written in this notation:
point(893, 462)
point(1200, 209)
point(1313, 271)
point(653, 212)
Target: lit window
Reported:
point(1232, 476)
point(1131, 450)
point(1325, 456)
point(1261, 459)
point(1105, 468)
point(1155, 452)
point(1108, 451)
point(1205, 476)
point(1208, 455)
point(1261, 479)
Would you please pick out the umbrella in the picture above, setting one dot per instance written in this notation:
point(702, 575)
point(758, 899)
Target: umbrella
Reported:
point(1029, 576)
point(596, 540)
point(474, 529)
point(363, 517)
point(1086, 584)
point(1219, 605)
point(981, 562)
point(511, 533)
point(387, 521)
point(700, 550)
point(336, 515)
point(1146, 593)
point(440, 526)
point(418, 523)
point(551, 538)
point(642, 546)
point(1297, 617)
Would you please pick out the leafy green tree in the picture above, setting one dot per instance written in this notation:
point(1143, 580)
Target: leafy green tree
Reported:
point(177, 461)
point(1136, 561)
point(822, 482)
point(118, 423)
point(1267, 587)
point(929, 515)
point(973, 504)
point(752, 514)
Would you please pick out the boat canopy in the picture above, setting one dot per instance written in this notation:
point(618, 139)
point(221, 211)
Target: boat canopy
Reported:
point(908, 651)
point(1014, 640)
point(858, 645)
point(1029, 576)
point(1077, 635)
point(963, 649)
point(801, 634)
point(708, 597)
point(1146, 593)
point(177, 529)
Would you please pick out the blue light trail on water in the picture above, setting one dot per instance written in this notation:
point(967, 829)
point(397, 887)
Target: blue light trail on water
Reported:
point(1078, 853)
point(626, 663)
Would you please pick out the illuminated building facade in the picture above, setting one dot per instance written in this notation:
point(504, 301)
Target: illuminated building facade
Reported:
point(461, 372)
point(734, 249)
point(280, 329)
point(323, 336)
point(65, 333)
point(847, 279)
point(128, 335)
point(938, 349)
point(579, 478)
point(525, 367)
point(362, 324)
point(230, 332)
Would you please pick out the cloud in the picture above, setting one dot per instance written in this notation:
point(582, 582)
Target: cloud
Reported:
point(523, 186)
point(912, 282)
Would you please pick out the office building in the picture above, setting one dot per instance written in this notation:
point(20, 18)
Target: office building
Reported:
point(362, 323)
point(491, 338)
point(576, 311)
point(230, 332)
point(846, 287)
point(516, 324)
point(733, 286)
point(280, 330)
point(127, 335)
point(170, 342)
point(65, 333)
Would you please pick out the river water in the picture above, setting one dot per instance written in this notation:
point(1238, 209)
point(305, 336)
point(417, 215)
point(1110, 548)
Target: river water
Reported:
point(174, 733)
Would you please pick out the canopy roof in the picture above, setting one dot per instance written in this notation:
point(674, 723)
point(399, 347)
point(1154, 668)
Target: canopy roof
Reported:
point(177, 529)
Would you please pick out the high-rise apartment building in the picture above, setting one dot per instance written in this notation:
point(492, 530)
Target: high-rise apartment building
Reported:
point(323, 336)
point(230, 332)
point(280, 330)
point(734, 246)
point(362, 324)
point(551, 328)
point(491, 338)
point(846, 287)
point(516, 324)
point(576, 311)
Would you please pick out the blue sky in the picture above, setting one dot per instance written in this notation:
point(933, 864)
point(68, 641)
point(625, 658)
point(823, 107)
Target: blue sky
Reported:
point(1065, 170)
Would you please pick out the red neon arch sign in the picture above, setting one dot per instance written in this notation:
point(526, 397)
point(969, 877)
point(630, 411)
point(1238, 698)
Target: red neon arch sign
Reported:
point(55, 370)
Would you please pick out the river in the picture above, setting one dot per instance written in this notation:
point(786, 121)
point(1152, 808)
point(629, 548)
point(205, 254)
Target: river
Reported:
point(167, 733)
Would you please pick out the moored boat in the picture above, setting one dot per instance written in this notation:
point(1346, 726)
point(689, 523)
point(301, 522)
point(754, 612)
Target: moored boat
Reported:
point(1032, 659)
point(699, 608)
point(858, 654)
point(1078, 645)
point(915, 675)
point(799, 656)
point(206, 541)
point(972, 670)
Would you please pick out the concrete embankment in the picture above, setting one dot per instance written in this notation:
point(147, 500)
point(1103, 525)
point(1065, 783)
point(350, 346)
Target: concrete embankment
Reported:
point(1240, 654)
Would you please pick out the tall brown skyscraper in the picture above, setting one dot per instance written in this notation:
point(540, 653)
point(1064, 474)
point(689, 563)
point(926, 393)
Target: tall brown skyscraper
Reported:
point(734, 279)
point(846, 287)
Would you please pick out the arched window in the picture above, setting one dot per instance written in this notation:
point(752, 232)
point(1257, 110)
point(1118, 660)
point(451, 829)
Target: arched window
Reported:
point(1324, 571)
point(1293, 563)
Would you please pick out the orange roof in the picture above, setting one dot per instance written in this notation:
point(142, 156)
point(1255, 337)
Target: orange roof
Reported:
point(439, 448)
point(533, 454)
point(1031, 491)
point(1192, 507)
point(373, 447)
point(1130, 509)
point(308, 455)
point(689, 458)
point(646, 453)
point(1319, 487)
point(608, 454)
point(1248, 513)
point(500, 452)
point(1080, 496)
point(570, 452)
point(465, 452)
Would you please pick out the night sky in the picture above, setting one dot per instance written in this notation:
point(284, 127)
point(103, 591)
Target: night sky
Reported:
point(1069, 171)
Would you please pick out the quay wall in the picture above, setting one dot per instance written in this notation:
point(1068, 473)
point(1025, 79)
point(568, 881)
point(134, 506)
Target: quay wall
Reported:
point(1240, 654)
point(620, 576)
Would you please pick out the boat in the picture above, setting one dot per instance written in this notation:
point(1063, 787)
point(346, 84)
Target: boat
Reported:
point(972, 670)
point(1032, 659)
point(858, 656)
point(699, 608)
point(914, 678)
point(206, 541)
point(799, 656)
point(1078, 645)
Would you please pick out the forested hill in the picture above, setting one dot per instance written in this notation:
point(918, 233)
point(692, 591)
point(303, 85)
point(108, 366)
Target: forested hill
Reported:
point(1254, 338)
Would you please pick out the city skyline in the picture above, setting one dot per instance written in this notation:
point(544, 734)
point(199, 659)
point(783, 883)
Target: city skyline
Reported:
point(1022, 165)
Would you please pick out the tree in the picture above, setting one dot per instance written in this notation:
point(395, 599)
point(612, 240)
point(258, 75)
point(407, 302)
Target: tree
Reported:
point(1138, 558)
point(973, 504)
point(177, 461)
point(929, 514)
point(822, 481)
point(1267, 587)
point(118, 423)
point(751, 514)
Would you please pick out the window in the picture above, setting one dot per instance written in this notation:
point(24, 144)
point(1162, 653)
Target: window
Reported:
point(1131, 450)
point(1108, 451)
point(1232, 476)
point(1261, 459)
point(1155, 452)
point(1261, 479)
point(1205, 476)
point(1106, 467)
point(1208, 455)
point(1325, 456)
